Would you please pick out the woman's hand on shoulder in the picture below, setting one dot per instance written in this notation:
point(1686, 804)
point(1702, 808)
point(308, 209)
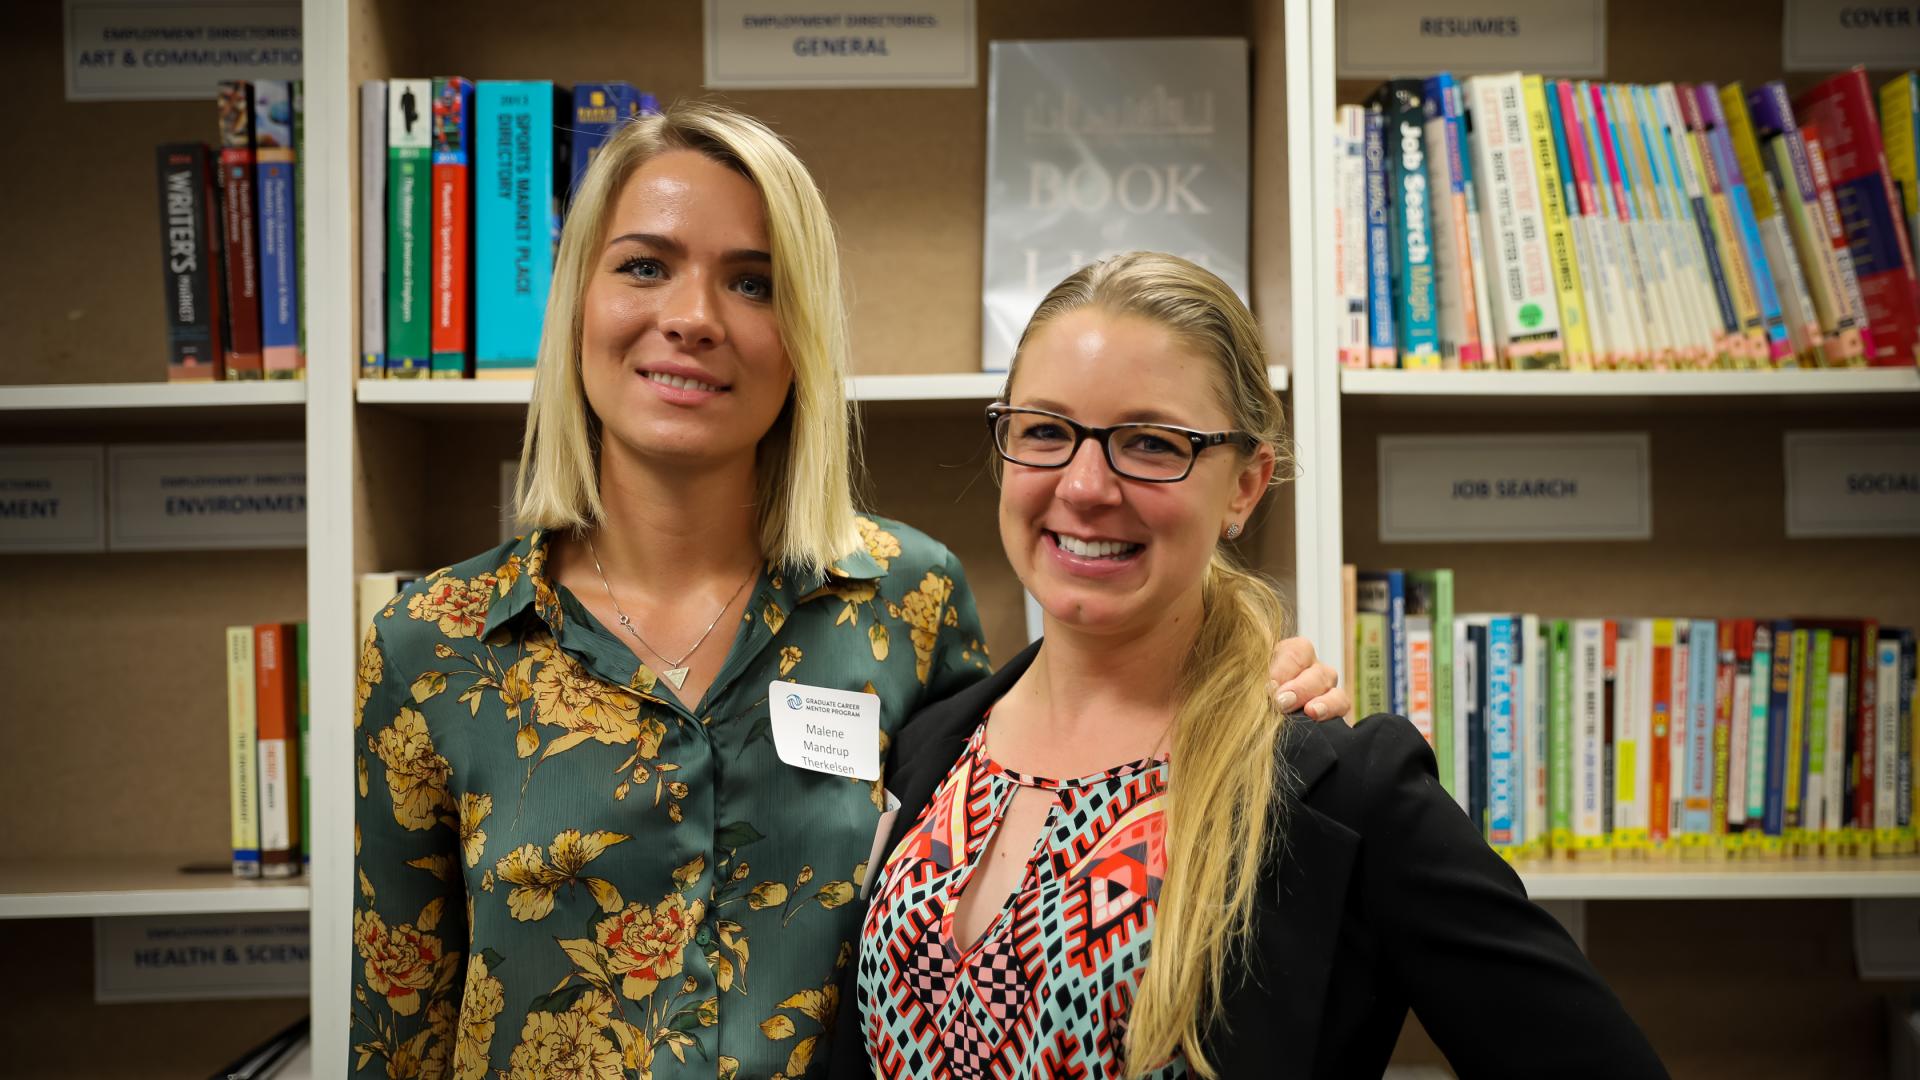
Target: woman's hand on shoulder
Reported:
point(1301, 683)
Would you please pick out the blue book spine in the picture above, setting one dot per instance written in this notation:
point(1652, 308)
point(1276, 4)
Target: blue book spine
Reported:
point(515, 207)
point(598, 111)
point(1416, 313)
point(1398, 670)
point(1502, 761)
point(1703, 662)
point(1477, 727)
point(279, 263)
point(1721, 143)
point(1380, 336)
point(1777, 721)
point(1903, 773)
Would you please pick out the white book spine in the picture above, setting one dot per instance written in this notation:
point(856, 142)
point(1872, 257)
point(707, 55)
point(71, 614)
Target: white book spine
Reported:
point(1737, 749)
point(1628, 774)
point(1420, 675)
point(1589, 700)
point(1834, 813)
point(1526, 313)
point(373, 227)
point(1886, 760)
point(1350, 235)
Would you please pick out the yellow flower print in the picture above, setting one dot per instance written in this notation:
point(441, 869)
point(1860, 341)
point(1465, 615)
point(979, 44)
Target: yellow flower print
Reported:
point(401, 963)
point(816, 1005)
point(416, 773)
point(372, 666)
point(922, 610)
point(645, 945)
point(473, 811)
point(790, 658)
point(568, 1045)
point(882, 545)
point(773, 616)
point(459, 607)
point(508, 573)
point(536, 879)
point(566, 697)
point(479, 1005)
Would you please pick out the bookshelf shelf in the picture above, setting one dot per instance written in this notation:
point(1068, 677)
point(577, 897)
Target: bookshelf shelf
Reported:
point(1614, 391)
point(1789, 879)
point(151, 403)
point(45, 890)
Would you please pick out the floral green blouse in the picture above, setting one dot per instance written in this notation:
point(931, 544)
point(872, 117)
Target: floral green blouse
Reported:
point(563, 870)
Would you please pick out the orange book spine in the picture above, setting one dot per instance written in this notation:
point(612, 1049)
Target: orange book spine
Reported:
point(1660, 789)
point(276, 716)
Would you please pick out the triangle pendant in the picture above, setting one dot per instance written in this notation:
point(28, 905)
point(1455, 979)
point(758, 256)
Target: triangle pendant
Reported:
point(676, 676)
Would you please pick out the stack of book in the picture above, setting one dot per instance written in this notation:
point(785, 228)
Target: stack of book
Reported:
point(1517, 222)
point(1648, 737)
point(267, 748)
point(454, 273)
point(230, 237)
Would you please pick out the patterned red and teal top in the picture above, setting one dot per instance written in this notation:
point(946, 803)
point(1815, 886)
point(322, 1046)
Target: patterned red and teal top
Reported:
point(1045, 990)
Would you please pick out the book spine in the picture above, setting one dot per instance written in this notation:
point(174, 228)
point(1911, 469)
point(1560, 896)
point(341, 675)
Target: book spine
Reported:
point(1630, 334)
point(1350, 234)
point(1415, 313)
point(1462, 679)
point(1730, 781)
point(299, 93)
point(1553, 209)
point(1826, 209)
point(1779, 728)
point(1526, 313)
point(1664, 301)
point(1632, 722)
point(244, 358)
point(1420, 675)
point(1397, 666)
point(1579, 212)
point(1606, 311)
point(1747, 346)
point(513, 240)
point(1903, 796)
point(1886, 815)
point(304, 699)
point(1382, 349)
point(451, 337)
point(1560, 735)
point(1589, 701)
point(1799, 644)
point(1773, 323)
point(1609, 708)
point(189, 257)
point(1636, 264)
point(1476, 253)
point(1834, 817)
point(1704, 800)
point(274, 715)
point(1539, 797)
point(242, 753)
point(1503, 767)
point(1464, 221)
point(598, 111)
point(1477, 773)
point(1659, 793)
point(1842, 108)
point(409, 228)
point(373, 229)
point(1866, 697)
point(1796, 304)
point(1372, 685)
point(1699, 304)
point(1677, 728)
point(1814, 787)
point(1759, 733)
point(274, 161)
point(1840, 324)
point(1453, 279)
point(1900, 137)
point(1443, 698)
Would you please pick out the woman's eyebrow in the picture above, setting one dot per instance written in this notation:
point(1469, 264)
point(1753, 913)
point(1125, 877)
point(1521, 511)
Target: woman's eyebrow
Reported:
point(667, 245)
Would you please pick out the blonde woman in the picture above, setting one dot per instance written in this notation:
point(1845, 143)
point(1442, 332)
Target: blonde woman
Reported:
point(1117, 856)
point(579, 849)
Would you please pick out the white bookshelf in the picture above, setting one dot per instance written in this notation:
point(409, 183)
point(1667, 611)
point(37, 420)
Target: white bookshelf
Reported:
point(1857, 389)
point(1787, 879)
point(151, 403)
point(73, 889)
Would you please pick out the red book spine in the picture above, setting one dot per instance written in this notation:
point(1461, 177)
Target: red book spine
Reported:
point(1865, 676)
point(450, 216)
point(1660, 789)
point(245, 360)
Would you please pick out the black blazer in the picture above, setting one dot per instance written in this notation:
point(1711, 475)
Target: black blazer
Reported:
point(1380, 896)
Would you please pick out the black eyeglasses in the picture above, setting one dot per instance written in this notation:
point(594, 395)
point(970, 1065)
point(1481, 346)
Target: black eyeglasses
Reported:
point(1155, 453)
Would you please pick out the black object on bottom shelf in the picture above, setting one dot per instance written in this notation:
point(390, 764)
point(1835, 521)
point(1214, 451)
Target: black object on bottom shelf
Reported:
point(262, 1060)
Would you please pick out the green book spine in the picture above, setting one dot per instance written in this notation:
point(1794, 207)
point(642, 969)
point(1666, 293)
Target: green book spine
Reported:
point(409, 228)
point(1372, 682)
point(1560, 735)
point(1443, 677)
point(1814, 786)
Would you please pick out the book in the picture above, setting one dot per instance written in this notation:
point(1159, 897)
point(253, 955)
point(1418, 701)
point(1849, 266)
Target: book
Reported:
point(599, 108)
point(1526, 315)
point(1726, 665)
point(1835, 813)
point(1350, 235)
point(1827, 209)
point(1802, 320)
point(274, 161)
point(1900, 138)
point(1561, 735)
point(378, 588)
point(1740, 720)
point(1704, 729)
point(1458, 319)
point(1531, 679)
point(373, 229)
point(1430, 596)
point(1759, 734)
point(1661, 686)
point(1886, 818)
point(1456, 106)
point(1382, 350)
point(276, 714)
point(1474, 678)
point(1587, 687)
point(1416, 315)
point(1842, 109)
point(409, 228)
point(1553, 209)
point(516, 203)
point(299, 93)
point(240, 261)
point(1631, 336)
point(190, 261)
point(1385, 592)
point(243, 758)
point(1779, 722)
point(450, 337)
point(1632, 734)
point(1420, 675)
point(1370, 678)
point(1774, 346)
point(1505, 820)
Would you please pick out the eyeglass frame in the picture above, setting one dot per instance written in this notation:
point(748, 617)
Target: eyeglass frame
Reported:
point(1201, 440)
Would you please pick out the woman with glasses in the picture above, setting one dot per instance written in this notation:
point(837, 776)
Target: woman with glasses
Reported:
point(1116, 856)
point(581, 845)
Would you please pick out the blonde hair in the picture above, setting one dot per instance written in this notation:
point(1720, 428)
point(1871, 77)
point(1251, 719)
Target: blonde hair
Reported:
point(1221, 801)
point(804, 462)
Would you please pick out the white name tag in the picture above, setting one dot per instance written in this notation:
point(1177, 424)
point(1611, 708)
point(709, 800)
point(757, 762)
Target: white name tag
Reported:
point(826, 730)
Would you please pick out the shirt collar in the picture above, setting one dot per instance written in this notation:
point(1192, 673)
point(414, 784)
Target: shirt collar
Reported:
point(522, 584)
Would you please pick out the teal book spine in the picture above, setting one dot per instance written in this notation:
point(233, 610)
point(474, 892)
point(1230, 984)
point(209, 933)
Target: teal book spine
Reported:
point(516, 197)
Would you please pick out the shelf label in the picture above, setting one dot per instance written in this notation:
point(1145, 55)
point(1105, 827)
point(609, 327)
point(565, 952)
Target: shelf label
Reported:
point(181, 496)
point(140, 50)
point(52, 498)
point(1853, 483)
point(250, 954)
point(1832, 35)
point(799, 45)
point(1385, 39)
point(1514, 487)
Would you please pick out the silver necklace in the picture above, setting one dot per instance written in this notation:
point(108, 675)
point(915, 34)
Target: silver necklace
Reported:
point(677, 670)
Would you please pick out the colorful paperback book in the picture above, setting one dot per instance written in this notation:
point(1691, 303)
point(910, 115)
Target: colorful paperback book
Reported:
point(1625, 155)
point(1814, 772)
point(1886, 818)
point(300, 214)
point(1842, 109)
point(1385, 592)
point(1382, 350)
point(515, 208)
point(1796, 301)
point(373, 229)
point(1554, 209)
point(1793, 798)
point(1350, 235)
point(1504, 807)
point(304, 700)
point(1909, 712)
point(1659, 804)
point(1533, 659)
point(277, 716)
point(1474, 675)
point(1456, 105)
point(1682, 700)
point(1827, 207)
point(599, 108)
point(1697, 801)
point(1633, 344)
point(1606, 310)
point(1900, 136)
point(1452, 258)
point(1430, 595)
point(1632, 733)
point(1701, 326)
point(1416, 315)
point(1420, 675)
point(1726, 674)
point(1579, 209)
point(1834, 812)
point(279, 263)
point(1587, 688)
point(1744, 341)
point(1779, 724)
point(243, 737)
point(451, 335)
point(409, 227)
point(1759, 737)
point(242, 254)
point(190, 259)
point(1527, 318)
point(1773, 323)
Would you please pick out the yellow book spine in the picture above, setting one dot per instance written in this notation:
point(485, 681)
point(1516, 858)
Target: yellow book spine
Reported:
point(1560, 252)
